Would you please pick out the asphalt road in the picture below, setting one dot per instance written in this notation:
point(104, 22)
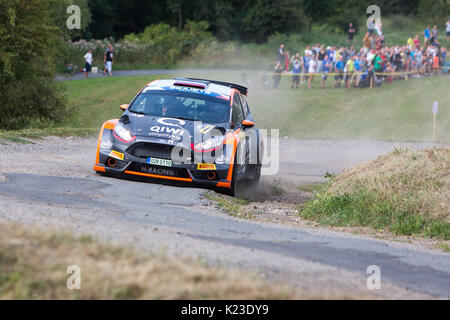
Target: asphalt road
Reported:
point(51, 183)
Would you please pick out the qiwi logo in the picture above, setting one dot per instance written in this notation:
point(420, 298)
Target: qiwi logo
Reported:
point(171, 122)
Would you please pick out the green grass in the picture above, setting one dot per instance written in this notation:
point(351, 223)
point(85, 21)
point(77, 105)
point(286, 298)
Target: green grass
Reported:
point(97, 100)
point(234, 206)
point(398, 111)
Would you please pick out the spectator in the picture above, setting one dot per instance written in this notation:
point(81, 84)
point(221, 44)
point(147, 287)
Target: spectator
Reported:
point(366, 41)
point(351, 33)
point(436, 66)
point(277, 76)
point(281, 53)
point(410, 43)
point(296, 68)
point(88, 65)
point(108, 59)
point(311, 70)
point(339, 69)
point(448, 29)
point(327, 65)
point(417, 41)
point(308, 51)
point(306, 60)
point(434, 34)
point(359, 65)
point(349, 69)
point(320, 59)
point(426, 37)
point(286, 61)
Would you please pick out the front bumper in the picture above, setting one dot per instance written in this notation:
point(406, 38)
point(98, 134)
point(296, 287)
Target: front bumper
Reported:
point(118, 158)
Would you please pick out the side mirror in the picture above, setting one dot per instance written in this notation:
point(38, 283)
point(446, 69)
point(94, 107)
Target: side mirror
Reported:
point(248, 124)
point(124, 107)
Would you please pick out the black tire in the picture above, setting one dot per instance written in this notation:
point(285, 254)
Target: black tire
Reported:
point(256, 175)
point(234, 181)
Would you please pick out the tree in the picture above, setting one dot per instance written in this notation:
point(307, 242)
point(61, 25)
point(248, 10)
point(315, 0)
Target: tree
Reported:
point(175, 7)
point(433, 11)
point(29, 42)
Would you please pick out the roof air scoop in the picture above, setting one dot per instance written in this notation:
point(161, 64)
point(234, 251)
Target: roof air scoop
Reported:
point(190, 85)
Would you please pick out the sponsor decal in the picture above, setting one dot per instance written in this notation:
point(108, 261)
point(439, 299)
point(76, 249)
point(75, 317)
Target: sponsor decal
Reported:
point(218, 95)
point(206, 166)
point(158, 171)
point(167, 130)
point(171, 122)
point(165, 136)
point(117, 155)
point(206, 129)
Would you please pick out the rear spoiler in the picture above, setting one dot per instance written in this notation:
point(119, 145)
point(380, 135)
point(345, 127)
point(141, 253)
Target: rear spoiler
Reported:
point(239, 88)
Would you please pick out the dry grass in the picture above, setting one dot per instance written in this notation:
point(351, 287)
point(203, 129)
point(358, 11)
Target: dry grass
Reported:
point(420, 178)
point(33, 265)
point(406, 192)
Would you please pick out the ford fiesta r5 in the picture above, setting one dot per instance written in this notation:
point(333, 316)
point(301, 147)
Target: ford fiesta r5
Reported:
point(187, 130)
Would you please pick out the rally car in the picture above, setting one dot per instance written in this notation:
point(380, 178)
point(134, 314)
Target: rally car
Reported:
point(192, 131)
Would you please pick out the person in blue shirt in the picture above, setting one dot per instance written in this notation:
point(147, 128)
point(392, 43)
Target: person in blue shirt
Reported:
point(358, 69)
point(426, 34)
point(296, 68)
point(306, 60)
point(339, 69)
point(327, 66)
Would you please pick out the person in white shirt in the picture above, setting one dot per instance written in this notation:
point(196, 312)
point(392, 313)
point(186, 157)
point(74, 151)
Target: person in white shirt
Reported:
point(448, 29)
point(312, 69)
point(88, 66)
point(308, 51)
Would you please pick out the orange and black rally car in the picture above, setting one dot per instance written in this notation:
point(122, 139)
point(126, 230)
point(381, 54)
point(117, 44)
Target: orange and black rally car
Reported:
point(187, 130)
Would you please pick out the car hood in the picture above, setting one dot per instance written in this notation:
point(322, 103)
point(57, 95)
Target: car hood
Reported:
point(170, 128)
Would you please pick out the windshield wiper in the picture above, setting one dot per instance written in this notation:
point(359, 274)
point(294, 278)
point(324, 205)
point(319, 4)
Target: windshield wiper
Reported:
point(182, 118)
point(138, 112)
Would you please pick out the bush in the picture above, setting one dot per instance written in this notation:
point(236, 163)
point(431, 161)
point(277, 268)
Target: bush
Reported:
point(29, 41)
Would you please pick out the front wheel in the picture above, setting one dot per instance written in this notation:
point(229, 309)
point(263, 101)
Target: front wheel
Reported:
point(234, 183)
point(256, 175)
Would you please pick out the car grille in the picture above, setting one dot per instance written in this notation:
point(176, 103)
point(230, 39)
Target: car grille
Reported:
point(150, 150)
point(154, 150)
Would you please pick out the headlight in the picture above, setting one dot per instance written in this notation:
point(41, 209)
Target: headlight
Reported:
point(123, 134)
point(211, 144)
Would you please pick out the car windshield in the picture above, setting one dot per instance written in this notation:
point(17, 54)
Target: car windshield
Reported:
point(182, 105)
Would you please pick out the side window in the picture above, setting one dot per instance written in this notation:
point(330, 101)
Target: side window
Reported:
point(244, 106)
point(237, 116)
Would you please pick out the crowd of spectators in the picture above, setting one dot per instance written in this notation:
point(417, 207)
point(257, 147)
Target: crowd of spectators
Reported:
point(372, 64)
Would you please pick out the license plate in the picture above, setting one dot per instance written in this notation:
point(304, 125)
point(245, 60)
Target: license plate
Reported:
point(159, 162)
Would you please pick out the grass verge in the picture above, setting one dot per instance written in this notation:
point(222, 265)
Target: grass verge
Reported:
point(33, 265)
point(405, 192)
